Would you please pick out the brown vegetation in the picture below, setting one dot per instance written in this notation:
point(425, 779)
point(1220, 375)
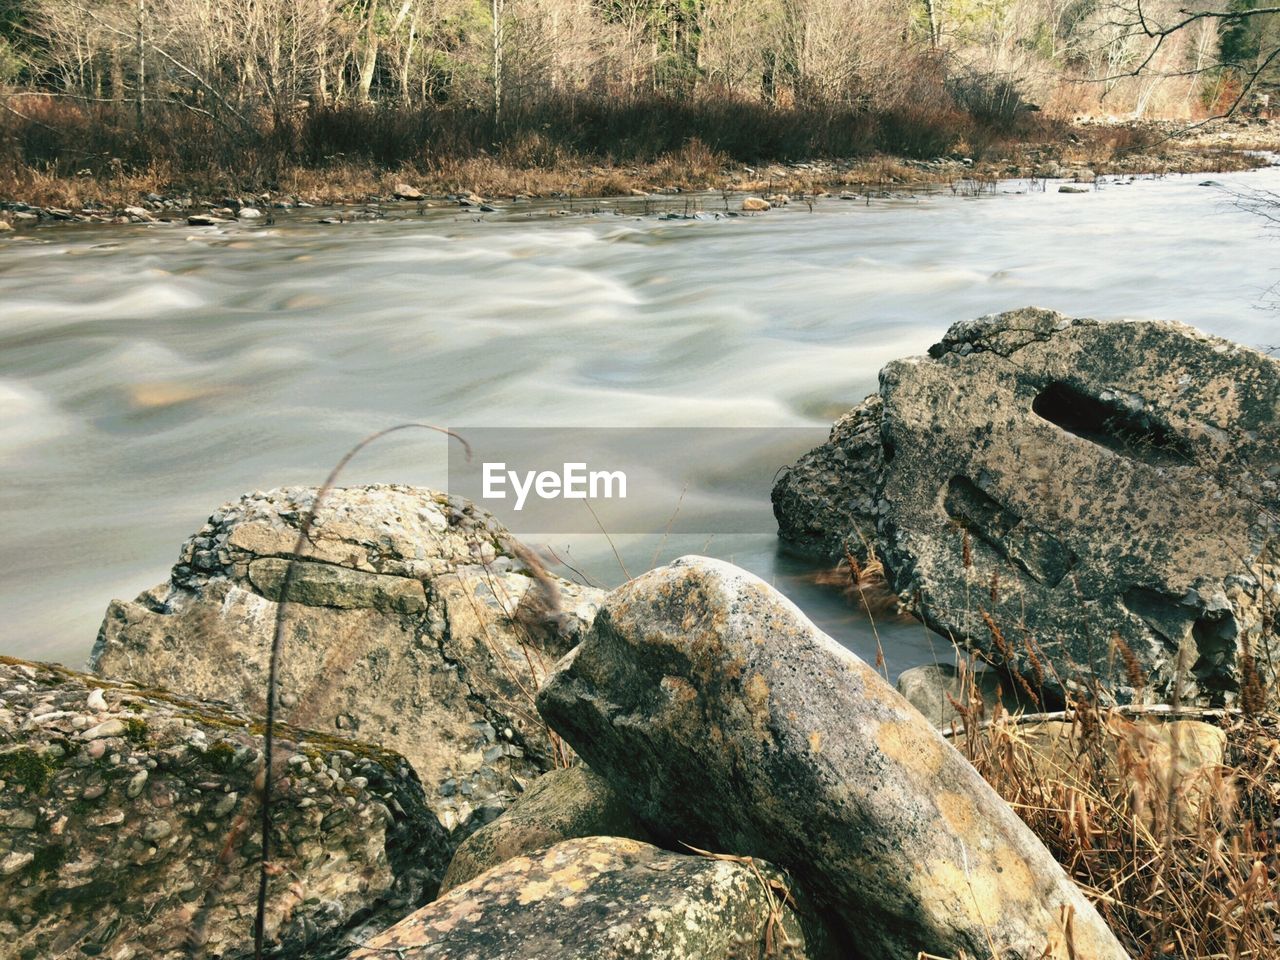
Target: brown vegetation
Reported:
point(109, 100)
point(1169, 886)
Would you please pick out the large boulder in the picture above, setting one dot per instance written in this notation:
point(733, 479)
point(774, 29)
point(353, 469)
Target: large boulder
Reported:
point(561, 805)
point(129, 827)
point(1090, 504)
point(607, 898)
point(732, 723)
point(416, 622)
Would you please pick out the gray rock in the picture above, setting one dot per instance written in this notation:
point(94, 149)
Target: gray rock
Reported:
point(935, 689)
point(732, 723)
point(416, 623)
point(1071, 482)
point(607, 898)
point(121, 859)
point(404, 191)
point(561, 805)
point(1067, 188)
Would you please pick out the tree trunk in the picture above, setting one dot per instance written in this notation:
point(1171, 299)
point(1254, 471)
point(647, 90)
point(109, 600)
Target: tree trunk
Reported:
point(497, 6)
point(408, 58)
point(322, 75)
point(141, 100)
point(931, 7)
point(369, 55)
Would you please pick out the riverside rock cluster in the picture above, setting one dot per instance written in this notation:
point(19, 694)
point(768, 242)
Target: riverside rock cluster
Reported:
point(483, 760)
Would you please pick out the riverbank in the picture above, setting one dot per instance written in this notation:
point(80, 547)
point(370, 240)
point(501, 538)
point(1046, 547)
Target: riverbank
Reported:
point(1080, 151)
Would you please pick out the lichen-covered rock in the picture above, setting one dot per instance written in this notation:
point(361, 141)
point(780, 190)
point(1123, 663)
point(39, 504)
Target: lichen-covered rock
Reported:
point(607, 898)
point(560, 805)
point(1104, 494)
point(415, 622)
point(129, 827)
point(730, 722)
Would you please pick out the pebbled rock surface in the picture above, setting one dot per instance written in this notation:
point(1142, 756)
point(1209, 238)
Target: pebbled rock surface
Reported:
point(416, 622)
point(1078, 482)
point(129, 827)
point(607, 898)
point(561, 805)
point(731, 723)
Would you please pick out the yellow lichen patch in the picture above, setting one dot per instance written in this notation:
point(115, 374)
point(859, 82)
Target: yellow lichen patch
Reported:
point(910, 744)
point(464, 909)
point(958, 810)
point(757, 691)
point(570, 877)
point(534, 891)
point(625, 845)
point(815, 741)
point(973, 896)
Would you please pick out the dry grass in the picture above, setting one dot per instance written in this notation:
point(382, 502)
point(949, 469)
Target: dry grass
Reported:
point(56, 152)
point(1181, 863)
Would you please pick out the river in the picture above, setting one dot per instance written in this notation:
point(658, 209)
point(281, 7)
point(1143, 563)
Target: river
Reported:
point(149, 373)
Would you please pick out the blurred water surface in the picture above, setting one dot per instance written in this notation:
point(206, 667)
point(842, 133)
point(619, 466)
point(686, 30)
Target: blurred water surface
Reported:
point(148, 374)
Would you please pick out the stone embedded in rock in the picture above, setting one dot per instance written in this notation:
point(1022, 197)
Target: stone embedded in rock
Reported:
point(1077, 482)
point(561, 805)
point(416, 622)
point(607, 898)
point(732, 723)
point(131, 830)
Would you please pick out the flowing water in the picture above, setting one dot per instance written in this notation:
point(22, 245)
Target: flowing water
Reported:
point(149, 373)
